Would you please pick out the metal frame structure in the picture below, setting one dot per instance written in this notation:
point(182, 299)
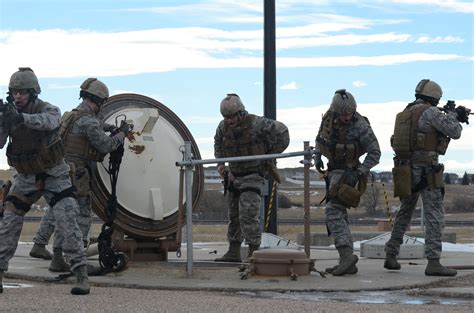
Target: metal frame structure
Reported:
point(189, 163)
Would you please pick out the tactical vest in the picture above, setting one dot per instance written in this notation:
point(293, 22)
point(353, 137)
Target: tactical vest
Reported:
point(407, 138)
point(333, 143)
point(77, 147)
point(242, 141)
point(29, 151)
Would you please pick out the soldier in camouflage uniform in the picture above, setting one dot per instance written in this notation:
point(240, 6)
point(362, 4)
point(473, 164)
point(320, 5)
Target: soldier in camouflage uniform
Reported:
point(85, 143)
point(36, 152)
point(343, 137)
point(242, 134)
point(417, 144)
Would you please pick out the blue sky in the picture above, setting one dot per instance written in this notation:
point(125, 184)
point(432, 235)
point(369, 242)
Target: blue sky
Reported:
point(189, 54)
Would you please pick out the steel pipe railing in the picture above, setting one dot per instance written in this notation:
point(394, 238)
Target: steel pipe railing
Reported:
point(188, 163)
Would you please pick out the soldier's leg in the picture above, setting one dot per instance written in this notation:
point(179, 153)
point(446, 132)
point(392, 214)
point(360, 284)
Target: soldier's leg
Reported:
point(61, 198)
point(337, 224)
point(234, 234)
point(84, 218)
point(249, 210)
point(249, 207)
point(434, 225)
point(402, 220)
point(58, 264)
point(42, 236)
point(16, 206)
point(18, 202)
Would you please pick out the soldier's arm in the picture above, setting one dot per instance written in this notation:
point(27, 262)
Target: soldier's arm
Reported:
point(97, 137)
point(276, 133)
point(218, 138)
point(447, 124)
point(49, 119)
point(370, 145)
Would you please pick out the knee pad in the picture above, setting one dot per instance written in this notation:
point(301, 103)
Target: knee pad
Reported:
point(16, 205)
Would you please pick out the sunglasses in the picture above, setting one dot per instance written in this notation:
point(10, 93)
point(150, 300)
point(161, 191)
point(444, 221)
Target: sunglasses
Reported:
point(22, 92)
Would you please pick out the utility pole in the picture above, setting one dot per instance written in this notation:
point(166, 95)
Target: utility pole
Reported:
point(269, 106)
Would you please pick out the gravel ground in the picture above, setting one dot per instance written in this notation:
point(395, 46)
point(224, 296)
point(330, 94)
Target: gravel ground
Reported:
point(56, 298)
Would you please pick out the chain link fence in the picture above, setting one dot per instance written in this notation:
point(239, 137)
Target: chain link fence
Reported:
point(374, 215)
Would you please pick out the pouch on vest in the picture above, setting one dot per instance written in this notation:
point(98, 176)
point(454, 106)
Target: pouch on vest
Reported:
point(401, 181)
point(436, 177)
point(83, 182)
point(348, 195)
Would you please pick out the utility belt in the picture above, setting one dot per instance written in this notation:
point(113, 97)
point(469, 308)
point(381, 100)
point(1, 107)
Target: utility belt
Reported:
point(36, 162)
point(402, 177)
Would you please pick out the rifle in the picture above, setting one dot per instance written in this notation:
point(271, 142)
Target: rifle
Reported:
point(4, 108)
point(462, 112)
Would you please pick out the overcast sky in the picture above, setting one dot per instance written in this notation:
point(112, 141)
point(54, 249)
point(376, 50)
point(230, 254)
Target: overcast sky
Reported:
point(189, 54)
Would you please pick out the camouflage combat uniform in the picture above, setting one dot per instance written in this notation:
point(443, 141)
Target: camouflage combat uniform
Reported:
point(255, 135)
point(360, 133)
point(422, 164)
point(54, 184)
point(87, 125)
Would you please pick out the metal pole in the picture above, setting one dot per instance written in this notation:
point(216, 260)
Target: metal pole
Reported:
point(193, 162)
point(269, 59)
point(269, 101)
point(189, 209)
point(307, 232)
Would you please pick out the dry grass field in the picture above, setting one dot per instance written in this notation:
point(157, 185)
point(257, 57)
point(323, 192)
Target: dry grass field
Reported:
point(455, 194)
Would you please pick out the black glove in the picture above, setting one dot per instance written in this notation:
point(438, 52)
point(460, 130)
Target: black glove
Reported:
point(109, 128)
point(318, 162)
point(125, 127)
point(12, 117)
point(462, 114)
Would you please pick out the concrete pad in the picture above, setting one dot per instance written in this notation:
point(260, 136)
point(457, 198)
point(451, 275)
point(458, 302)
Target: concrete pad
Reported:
point(206, 275)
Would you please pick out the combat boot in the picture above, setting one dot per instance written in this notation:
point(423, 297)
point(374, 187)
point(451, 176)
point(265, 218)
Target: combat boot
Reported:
point(82, 281)
point(233, 255)
point(252, 249)
point(391, 262)
point(1, 282)
point(352, 270)
point(39, 251)
point(434, 268)
point(346, 260)
point(57, 263)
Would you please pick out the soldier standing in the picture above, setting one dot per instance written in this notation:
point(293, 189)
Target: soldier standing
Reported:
point(244, 134)
point(422, 132)
point(36, 152)
point(85, 143)
point(343, 137)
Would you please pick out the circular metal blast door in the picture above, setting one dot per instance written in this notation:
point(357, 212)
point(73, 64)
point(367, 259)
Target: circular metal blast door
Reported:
point(148, 181)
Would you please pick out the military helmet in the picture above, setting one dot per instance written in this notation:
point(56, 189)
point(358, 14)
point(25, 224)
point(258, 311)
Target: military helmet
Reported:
point(24, 78)
point(231, 104)
point(428, 88)
point(343, 102)
point(95, 87)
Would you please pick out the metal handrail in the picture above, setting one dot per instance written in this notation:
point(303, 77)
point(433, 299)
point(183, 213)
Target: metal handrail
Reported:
point(188, 163)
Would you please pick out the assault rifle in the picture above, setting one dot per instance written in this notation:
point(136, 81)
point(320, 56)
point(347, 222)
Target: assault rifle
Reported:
point(4, 108)
point(462, 112)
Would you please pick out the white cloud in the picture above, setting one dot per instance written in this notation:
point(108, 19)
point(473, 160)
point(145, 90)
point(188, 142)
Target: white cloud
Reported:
point(454, 5)
point(161, 50)
point(358, 84)
point(290, 86)
point(446, 39)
